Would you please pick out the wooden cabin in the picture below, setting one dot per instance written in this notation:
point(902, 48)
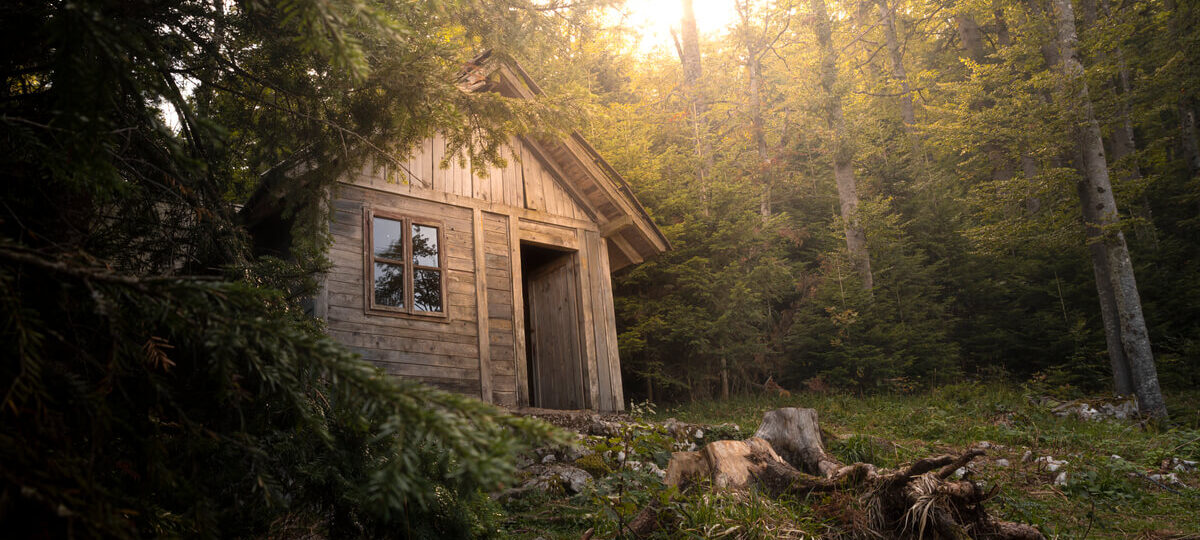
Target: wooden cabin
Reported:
point(489, 281)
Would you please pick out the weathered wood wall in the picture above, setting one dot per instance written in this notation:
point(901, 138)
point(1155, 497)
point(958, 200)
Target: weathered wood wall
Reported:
point(486, 214)
point(444, 352)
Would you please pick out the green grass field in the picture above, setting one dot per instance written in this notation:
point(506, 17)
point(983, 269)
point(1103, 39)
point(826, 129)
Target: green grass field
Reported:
point(1103, 497)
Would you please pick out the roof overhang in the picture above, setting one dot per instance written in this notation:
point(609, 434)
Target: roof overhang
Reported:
point(632, 236)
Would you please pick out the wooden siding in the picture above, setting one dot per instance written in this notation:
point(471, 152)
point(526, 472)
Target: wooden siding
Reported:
point(524, 182)
point(479, 347)
point(499, 271)
point(440, 351)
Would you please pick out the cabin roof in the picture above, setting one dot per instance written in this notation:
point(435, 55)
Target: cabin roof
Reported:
point(621, 217)
point(592, 181)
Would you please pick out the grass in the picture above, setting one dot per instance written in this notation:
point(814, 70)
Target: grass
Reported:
point(1103, 498)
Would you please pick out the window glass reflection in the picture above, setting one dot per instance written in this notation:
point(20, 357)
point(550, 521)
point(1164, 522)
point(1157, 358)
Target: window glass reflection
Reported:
point(389, 285)
point(427, 290)
point(425, 245)
point(388, 238)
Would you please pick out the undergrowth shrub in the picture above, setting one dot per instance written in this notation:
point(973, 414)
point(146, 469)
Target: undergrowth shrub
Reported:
point(184, 407)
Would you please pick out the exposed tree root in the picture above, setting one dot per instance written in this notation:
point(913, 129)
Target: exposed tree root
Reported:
point(917, 501)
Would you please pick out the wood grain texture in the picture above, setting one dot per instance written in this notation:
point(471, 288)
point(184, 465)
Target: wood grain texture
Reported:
point(481, 303)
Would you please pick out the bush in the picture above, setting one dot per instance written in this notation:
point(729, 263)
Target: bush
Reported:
point(176, 407)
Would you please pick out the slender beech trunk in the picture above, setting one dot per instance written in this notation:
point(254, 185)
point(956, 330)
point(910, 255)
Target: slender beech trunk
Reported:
point(1097, 199)
point(887, 17)
point(1109, 314)
point(754, 53)
point(896, 57)
point(970, 35)
point(843, 163)
point(754, 67)
point(1124, 144)
point(689, 56)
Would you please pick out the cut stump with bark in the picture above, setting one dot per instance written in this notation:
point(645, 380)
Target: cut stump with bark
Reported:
point(917, 501)
point(796, 436)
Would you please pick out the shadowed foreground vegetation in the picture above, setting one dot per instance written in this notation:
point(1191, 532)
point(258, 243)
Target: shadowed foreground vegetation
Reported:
point(1103, 497)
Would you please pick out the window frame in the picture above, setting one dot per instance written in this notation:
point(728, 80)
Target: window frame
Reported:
point(369, 259)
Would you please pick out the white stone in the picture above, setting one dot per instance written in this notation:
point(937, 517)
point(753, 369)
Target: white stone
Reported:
point(549, 458)
point(1001, 462)
point(1061, 479)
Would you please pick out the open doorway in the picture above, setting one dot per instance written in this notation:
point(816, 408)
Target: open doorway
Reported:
point(552, 328)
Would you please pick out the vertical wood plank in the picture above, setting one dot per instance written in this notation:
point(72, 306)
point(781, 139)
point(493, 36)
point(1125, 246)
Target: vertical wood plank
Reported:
point(610, 330)
point(437, 176)
point(518, 182)
point(584, 260)
point(534, 199)
point(514, 244)
point(599, 324)
point(481, 311)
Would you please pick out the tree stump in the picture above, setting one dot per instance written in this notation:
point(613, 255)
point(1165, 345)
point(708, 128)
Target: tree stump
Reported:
point(913, 501)
point(730, 464)
point(796, 436)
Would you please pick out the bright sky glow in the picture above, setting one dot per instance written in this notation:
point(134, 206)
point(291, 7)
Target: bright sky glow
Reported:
point(654, 19)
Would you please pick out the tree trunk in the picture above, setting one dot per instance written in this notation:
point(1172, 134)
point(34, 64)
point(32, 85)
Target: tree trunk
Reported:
point(689, 56)
point(754, 53)
point(843, 164)
point(1109, 315)
point(970, 35)
point(1097, 197)
point(796, 435)
point(754, 68)
point(887, 17)
point(907, 112)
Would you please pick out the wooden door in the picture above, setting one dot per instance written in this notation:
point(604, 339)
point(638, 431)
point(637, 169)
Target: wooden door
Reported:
point(556, 362)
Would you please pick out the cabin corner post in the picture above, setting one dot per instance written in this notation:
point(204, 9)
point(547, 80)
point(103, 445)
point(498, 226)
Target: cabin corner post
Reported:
point(610, 333)
point(481, 308)
point(518, 292)
point(583, 267)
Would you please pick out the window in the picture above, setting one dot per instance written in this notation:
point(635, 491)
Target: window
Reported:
point(405, 270)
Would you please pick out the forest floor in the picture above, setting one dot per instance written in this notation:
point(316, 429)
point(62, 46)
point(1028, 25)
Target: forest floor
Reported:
point(1100, 497)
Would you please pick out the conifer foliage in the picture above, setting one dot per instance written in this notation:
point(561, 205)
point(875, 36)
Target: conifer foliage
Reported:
point(159, 377)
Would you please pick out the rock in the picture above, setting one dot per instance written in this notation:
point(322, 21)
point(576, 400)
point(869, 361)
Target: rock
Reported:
point(1027, 456)
point(1100, 409)
point(984, 444)
point(1115, 457)
point(1001, 462)
point(604, 428)
point(1182, 465)
point(1061, 479)
point(1051, 464)
point(1170, 479)
point(549, 458)
point(557, 475)
point(961, 472)
point(699, 434)
point(649, 467)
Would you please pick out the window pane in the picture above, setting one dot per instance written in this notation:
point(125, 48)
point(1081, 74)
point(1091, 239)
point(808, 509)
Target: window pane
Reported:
point(427, 290)
point(389, 238)
point(389, 285)
point(425, 246)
